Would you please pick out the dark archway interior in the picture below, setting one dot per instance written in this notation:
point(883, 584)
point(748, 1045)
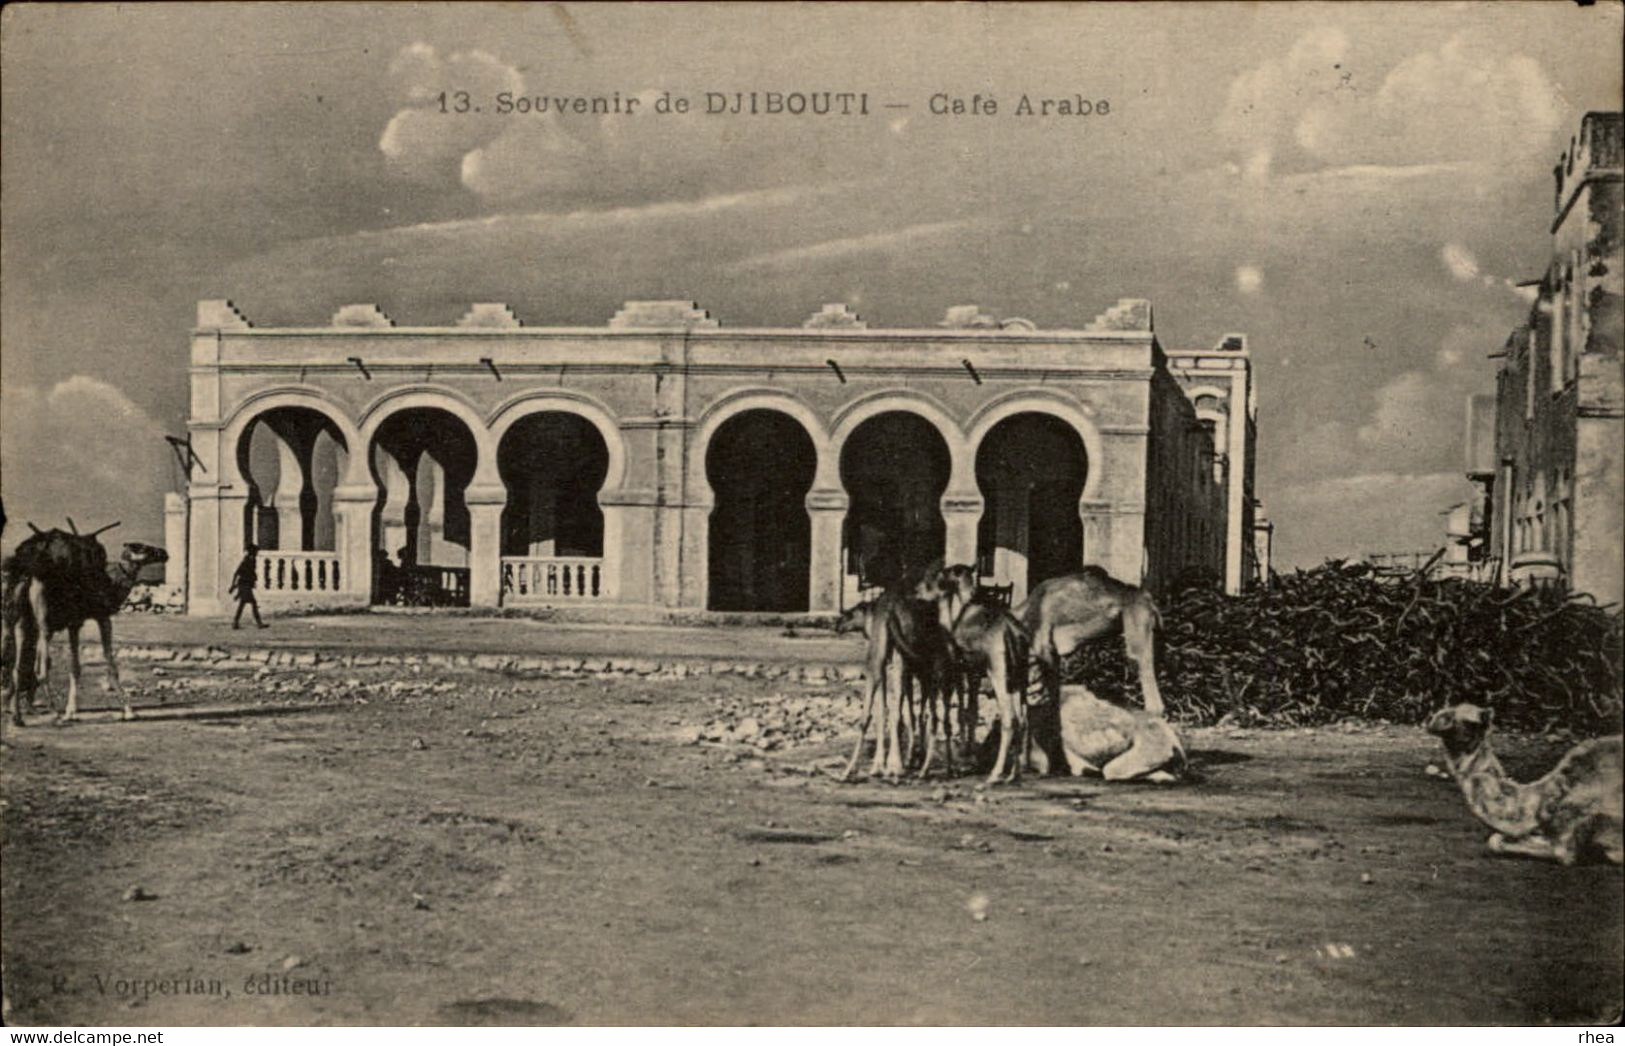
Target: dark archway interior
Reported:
point(1031, 470)
point(760, 464)
point(423, 459)
point(553, 465)
point(895, 467)
point(291, 459)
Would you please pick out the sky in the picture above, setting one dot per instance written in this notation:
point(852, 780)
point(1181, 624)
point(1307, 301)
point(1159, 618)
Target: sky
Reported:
point(1358, 188)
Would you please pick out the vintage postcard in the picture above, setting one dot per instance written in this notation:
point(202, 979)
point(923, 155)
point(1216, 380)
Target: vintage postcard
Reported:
point(814, 514)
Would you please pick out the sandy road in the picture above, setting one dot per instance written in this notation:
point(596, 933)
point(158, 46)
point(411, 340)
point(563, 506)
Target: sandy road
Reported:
point(457, 847)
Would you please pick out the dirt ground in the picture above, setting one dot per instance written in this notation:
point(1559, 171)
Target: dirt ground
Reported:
point(443, 847)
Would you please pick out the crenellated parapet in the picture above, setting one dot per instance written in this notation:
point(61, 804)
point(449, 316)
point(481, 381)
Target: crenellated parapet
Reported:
point(1129, 314)
point(683, 315)
point(968, 317)
point(492, 315)
point(835, 316)
point(220, 314)
point(361, 316)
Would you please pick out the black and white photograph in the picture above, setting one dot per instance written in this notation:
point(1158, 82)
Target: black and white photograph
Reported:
point(908, 515)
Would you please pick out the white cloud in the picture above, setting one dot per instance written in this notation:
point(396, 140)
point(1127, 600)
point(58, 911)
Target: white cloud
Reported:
point(1463, 102)
point(1404, 409)
point(82, 448)
point(1460, 261)
point(871, 243)
point(1249, 280)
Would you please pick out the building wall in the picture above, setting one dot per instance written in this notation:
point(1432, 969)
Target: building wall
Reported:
point(1553, 501)
point(657, 384)
point(1219, 383)
point(1186, 509)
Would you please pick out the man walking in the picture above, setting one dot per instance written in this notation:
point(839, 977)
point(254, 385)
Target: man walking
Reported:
point(242, 586)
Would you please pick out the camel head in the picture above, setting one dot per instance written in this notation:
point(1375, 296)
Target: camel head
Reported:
point(854, 619)
point(1462, 727)
point(950, 587)
point(136, 555)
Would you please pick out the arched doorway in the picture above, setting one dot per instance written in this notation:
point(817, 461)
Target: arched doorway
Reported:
point(894, 467)
point(422, 459)
point(760, 464)
point(1031, 469)
point(291, 459)
point(553, 464)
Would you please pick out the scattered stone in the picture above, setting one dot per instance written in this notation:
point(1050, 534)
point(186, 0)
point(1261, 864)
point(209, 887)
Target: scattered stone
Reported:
point(418, 744)
point(238, 949)
point(978, 906)
point(136, 893)
point(292, 962)
point(420, 902)
point(1365, 877)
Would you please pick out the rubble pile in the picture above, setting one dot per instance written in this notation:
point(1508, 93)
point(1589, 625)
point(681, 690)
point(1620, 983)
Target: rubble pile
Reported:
point(1341, 642)
point(777, 721)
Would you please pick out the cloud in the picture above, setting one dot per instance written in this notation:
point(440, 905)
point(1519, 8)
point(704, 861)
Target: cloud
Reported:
point(1404, 413)
point(1460, 261)
point(1263, 103)
point(871, 243)
point(633, 153)
point(1463, 102)
point(429, 137)
point(1249, 280)
point(82, 448)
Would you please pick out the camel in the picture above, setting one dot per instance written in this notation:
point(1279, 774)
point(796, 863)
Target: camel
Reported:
point(906, 645)
point(991, 642)
point(57, 581)
point(1573, 812)
point(1063, 613)
point(1119, 744)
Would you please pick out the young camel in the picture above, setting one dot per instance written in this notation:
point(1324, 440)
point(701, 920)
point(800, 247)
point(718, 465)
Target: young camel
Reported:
point(906, 645)
point(1063, 613)
point(989, 641)
point(1576, 809)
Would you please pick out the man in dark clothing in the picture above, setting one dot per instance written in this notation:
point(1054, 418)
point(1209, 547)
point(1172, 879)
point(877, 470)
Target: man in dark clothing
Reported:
point(242, 586)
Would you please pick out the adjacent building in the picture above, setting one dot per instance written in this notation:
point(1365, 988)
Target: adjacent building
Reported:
point(1549, 455)
point(665, 461)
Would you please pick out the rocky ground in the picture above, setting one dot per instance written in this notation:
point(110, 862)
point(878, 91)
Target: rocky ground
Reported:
point(429, 843)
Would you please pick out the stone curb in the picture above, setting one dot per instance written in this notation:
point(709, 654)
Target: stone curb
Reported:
point(508, 664)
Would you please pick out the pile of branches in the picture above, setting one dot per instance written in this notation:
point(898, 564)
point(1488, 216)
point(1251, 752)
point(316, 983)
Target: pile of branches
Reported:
point(1344, 642)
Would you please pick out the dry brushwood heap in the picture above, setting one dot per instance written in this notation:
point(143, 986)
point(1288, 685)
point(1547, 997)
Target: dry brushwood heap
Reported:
point(1341, 642)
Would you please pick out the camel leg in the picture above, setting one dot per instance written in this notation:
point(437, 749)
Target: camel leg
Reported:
point(105, 627)
point(1600, 833)
point(863, 731)
point(1007, 726)
point(928, 696)
point(72, 711)
point(894, 709)
point(1139, 641)
point(1528, 846)
point(1138, 761)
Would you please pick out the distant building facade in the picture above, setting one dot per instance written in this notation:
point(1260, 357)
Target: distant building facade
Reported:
point(1550, 455)
point(664, 461)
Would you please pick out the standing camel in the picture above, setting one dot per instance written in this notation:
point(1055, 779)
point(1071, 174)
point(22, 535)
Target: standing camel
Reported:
point(1063, 613)
point(57, 581)
point(988, 641)
point(906, 645)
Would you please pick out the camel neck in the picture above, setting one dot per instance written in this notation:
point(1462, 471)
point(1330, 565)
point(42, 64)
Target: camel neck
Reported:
point(121, 578)
point(1491, 794)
